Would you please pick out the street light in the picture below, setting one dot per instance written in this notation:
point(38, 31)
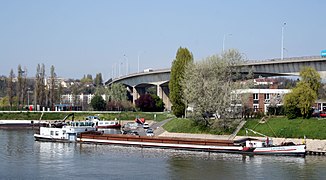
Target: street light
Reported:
point(28, 91)
point(282, 45)
point(138, 58)
point(127, 65)
point(224, 37)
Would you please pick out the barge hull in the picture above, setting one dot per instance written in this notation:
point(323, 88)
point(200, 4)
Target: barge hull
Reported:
point(221, 146)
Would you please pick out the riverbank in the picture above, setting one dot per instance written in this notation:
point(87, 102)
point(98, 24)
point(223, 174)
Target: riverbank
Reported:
point(312, 144)
point(81, 115)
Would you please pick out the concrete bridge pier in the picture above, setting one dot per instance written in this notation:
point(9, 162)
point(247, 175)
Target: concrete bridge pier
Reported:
point(136, 92)
point(163, 93)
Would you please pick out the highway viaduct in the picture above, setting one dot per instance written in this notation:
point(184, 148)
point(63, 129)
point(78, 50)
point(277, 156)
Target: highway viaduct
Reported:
point(137, 83)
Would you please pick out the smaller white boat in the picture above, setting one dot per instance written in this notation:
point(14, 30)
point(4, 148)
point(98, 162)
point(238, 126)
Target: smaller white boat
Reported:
point(67, 132)
point(266, 147)
point(103, 124)
point(108, 124)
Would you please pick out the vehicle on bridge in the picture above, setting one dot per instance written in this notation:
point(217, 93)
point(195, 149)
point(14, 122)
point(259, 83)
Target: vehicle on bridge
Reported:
point(323, 53)
point(148, 70)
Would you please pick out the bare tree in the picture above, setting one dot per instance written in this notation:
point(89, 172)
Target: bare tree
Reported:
point(24, 86)
point(19, 86)
point(40, 95)
point(209, 85)
point(52, 87)
point(37, 88)
point(42, 87)
point(10, 88)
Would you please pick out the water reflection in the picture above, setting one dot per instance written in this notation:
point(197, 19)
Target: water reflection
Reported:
point(31, 159)
point(110, 130)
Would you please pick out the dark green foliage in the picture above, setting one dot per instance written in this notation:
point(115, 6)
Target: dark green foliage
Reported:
point(298, 103)
point(149, 103)
point(145, 103)
point(87, 79)
point(98, 81)
point(276, 110)
point(98, 103)
point(159, 104)
point(183, 57)
point(291, 106)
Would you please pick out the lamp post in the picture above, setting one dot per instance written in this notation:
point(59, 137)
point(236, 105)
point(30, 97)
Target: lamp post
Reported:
point(138, 58)
point(224, 37)
point(127, 65)
point(28, 92)
point(282, 42)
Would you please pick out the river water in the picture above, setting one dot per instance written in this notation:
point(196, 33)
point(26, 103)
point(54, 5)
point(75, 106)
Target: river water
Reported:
point(23, 158)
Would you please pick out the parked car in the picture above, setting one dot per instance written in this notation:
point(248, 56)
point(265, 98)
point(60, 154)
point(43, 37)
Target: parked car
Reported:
point(145, 125)
point(322, 114)
point(149, 132)
point(131, 132)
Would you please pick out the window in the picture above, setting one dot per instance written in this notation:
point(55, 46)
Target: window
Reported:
point(266, 96)
point(255, 107)
point(51, 133)
point(255, 96)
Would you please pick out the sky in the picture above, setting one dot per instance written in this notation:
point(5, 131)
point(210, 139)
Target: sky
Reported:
point(80, 37)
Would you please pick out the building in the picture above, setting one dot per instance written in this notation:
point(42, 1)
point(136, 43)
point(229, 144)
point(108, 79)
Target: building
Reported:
point(81, 98)
point(260, 99)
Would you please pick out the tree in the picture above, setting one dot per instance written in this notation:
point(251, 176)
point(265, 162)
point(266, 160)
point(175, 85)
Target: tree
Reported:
point(116, 97)
point(98, 103)
point(75, 91)
point(291, 105)
point(306, 98)
point(19, 91)
point(24, 86)
point(301, 99)
point(52, 98)
point(98, 81)
point(87, 79)
point(40, 94)
point(159, 104)
point(146, 103)
point(117, 92)
point(183, 57)
point(10, 88)
point(310, 76)
point(209, 86)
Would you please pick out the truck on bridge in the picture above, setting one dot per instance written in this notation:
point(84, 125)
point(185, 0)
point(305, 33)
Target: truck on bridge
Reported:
point(323, 53)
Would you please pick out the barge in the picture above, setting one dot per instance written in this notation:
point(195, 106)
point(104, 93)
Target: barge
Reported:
point(242, 146)
point(22, 123)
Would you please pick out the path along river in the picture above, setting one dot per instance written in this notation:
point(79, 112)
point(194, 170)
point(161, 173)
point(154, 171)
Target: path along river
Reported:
point(23, 158)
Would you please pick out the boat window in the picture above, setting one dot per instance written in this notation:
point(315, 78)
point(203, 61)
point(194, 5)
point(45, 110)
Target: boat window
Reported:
point(51, 133)
point(57, 133)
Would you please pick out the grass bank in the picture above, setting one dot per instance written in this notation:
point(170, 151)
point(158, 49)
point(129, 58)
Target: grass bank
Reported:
point(82, 115)
point(312, 128)
point(180, 125)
